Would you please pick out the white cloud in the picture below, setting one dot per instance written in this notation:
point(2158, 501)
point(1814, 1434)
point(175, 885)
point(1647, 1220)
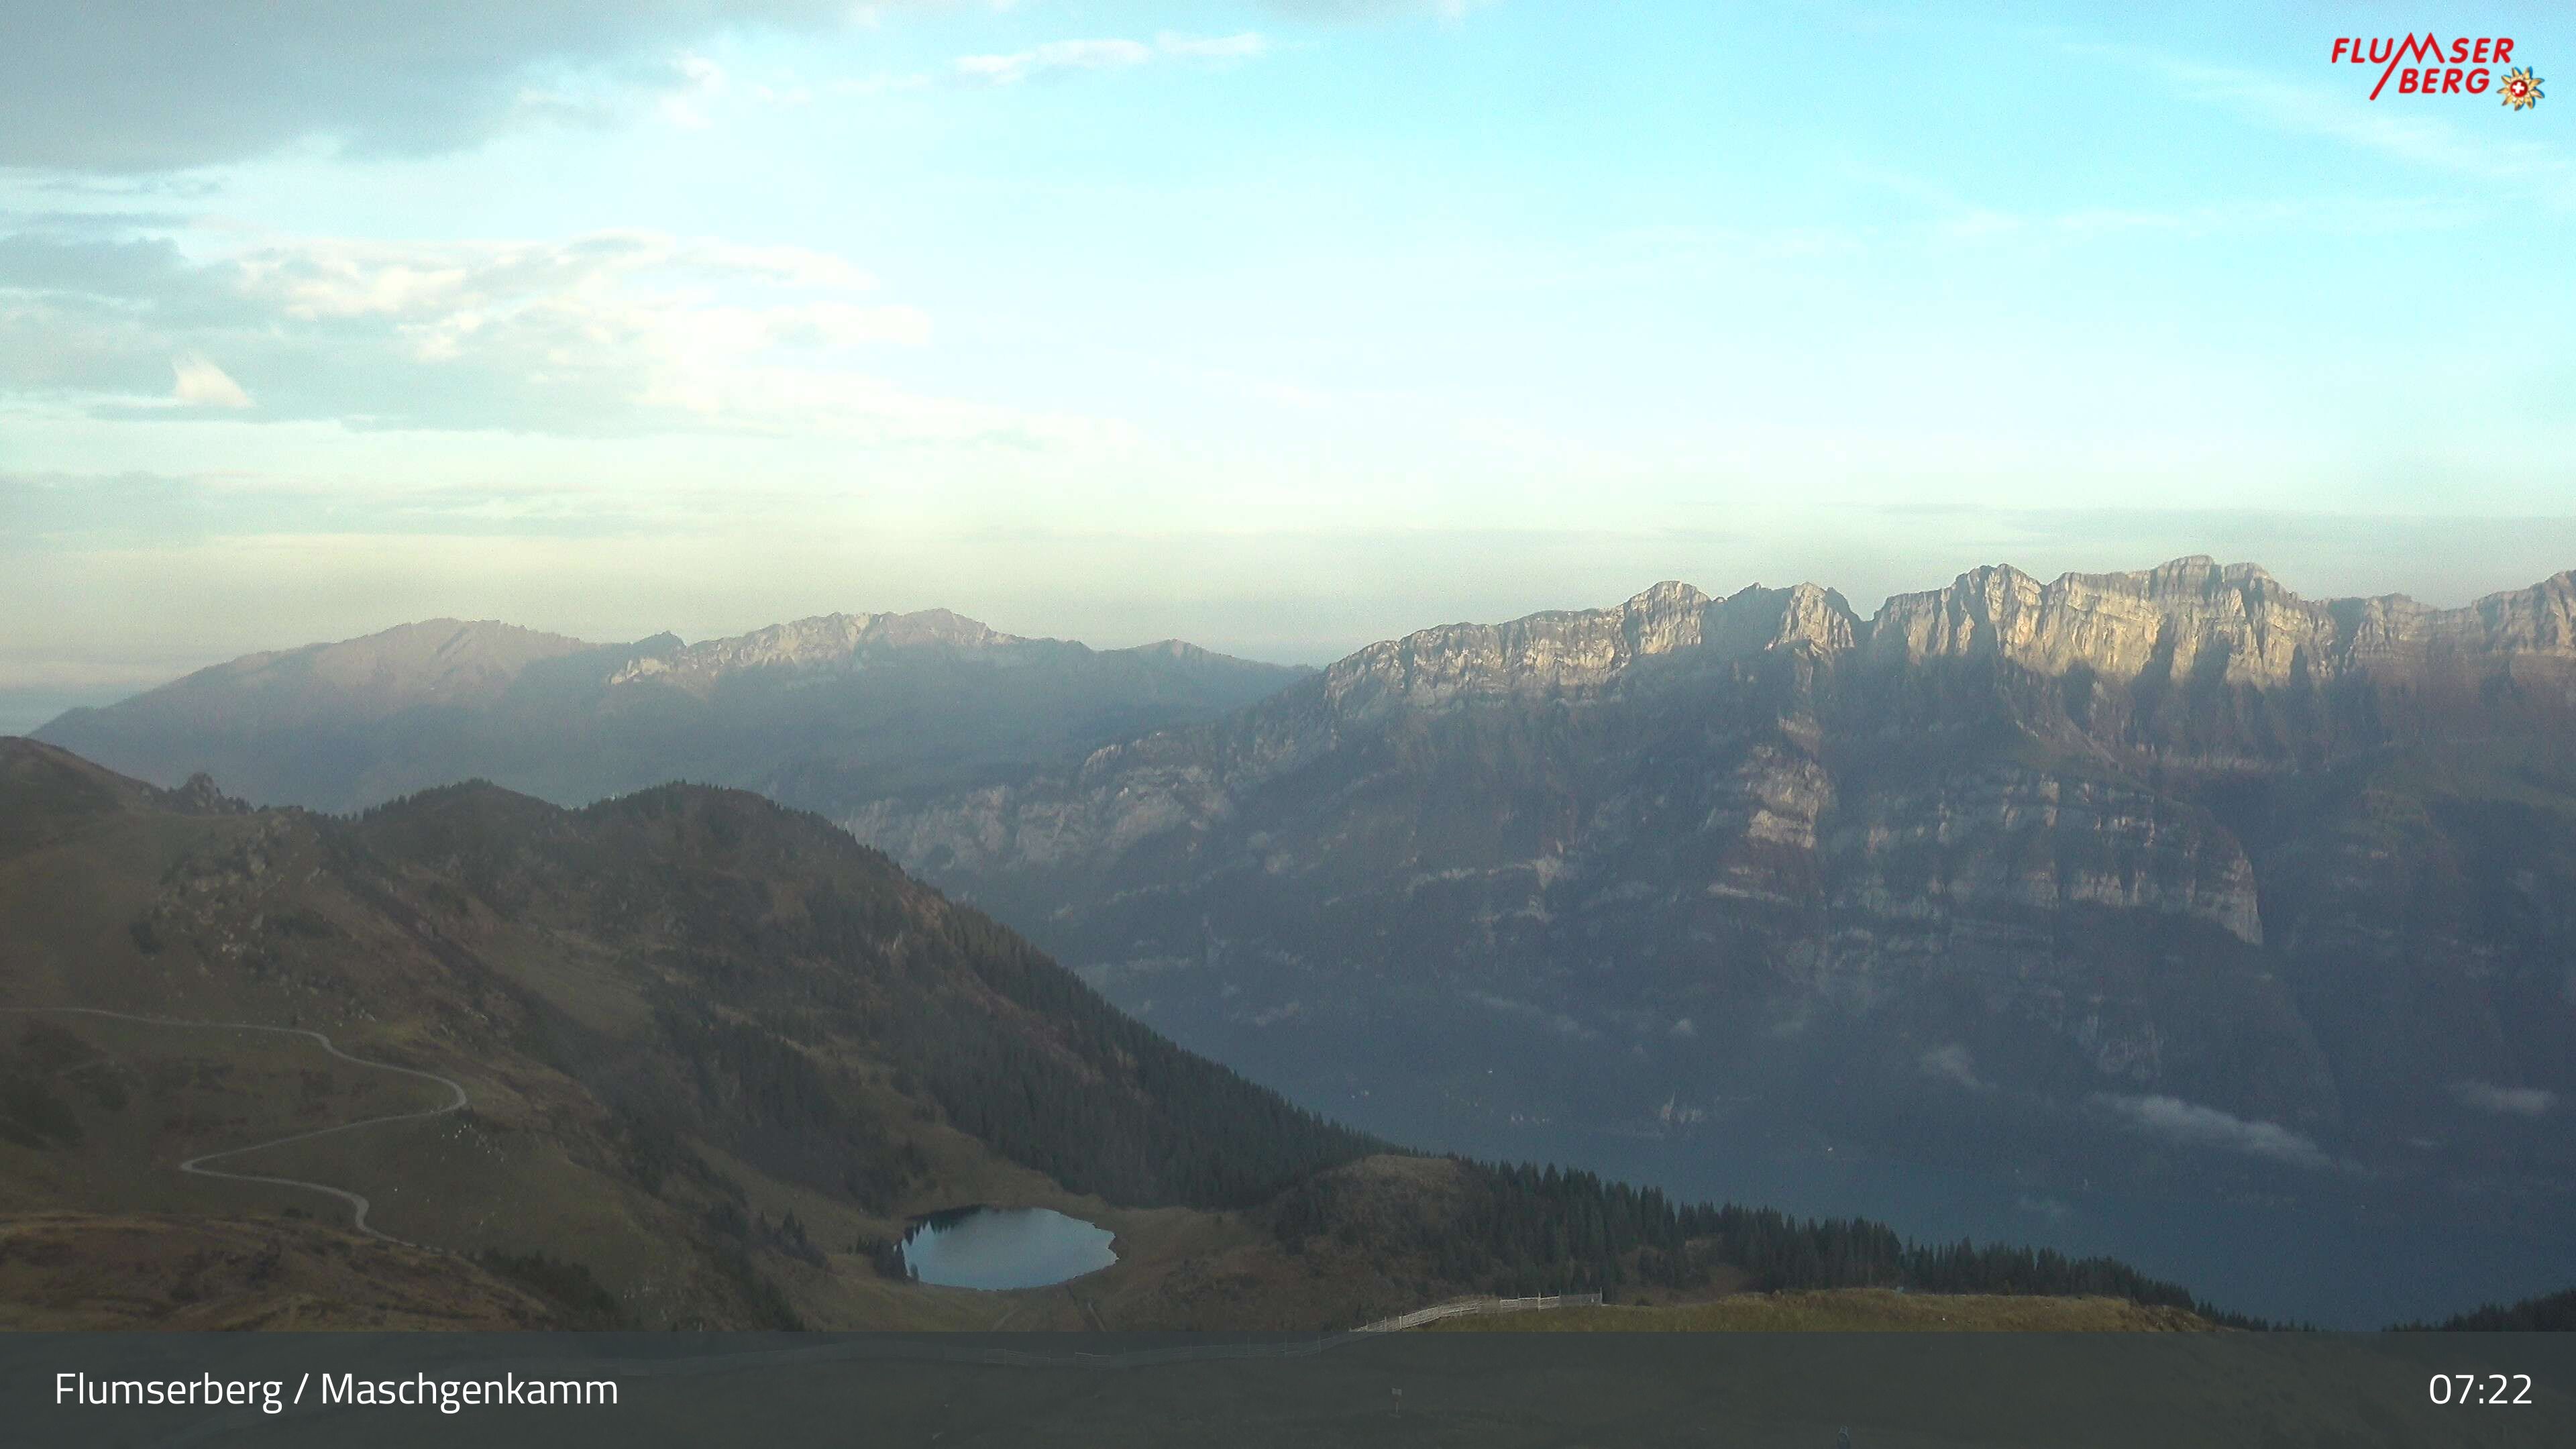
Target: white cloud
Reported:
point(690, 91)
point(604, 334)
point(1378, 9)
point(156, 85)
point(203, 384)
point(700, 81)
point(1952, 1063)
point(2193, 1125)
point(2504, 1101)
point(1215, 47)
point(1063, 56)
point(1054, 56)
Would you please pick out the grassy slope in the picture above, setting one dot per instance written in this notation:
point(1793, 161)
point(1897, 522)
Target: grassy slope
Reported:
point(62, 1270)
point(530, 953)
point(257, 917)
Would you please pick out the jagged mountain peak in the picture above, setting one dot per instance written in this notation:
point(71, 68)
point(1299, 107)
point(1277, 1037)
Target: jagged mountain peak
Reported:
point(1575, 649)
point(1757, 619)
point(1670, 594)
point(821, 641)
point(2060, 841)
point(935, 627)
point(2195, 614)
point(2191, 576)
point(2189, 620)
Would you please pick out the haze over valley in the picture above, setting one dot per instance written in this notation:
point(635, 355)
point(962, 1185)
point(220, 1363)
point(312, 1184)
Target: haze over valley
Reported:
point(2045, 902)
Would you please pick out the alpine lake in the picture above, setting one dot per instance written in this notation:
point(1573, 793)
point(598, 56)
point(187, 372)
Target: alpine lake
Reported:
point(997, 1248)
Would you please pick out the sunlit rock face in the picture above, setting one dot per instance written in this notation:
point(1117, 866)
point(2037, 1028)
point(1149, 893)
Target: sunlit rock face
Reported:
point(2000, 851)
point(841, 643)
point(2194, 618)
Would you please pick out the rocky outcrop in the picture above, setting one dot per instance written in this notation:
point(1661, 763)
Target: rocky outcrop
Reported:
point(2190, 618)
point(2195, 618)
point(1571, 654)
point(828, 641)
point(2059, 840)
point(2007, 842)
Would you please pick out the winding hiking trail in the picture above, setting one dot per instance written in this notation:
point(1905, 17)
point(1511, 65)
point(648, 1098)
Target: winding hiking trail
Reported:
point(196, 1166)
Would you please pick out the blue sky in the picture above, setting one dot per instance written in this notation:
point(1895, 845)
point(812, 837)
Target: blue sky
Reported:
point(1280, 326)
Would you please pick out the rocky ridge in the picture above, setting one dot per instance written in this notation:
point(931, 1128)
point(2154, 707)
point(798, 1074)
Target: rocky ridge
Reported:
point(2037, 844)
point(837, 641)
point(2190, 616)
point(2194, 614)
point(821, 712)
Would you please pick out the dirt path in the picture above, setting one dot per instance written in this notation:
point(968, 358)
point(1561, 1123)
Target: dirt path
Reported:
point(196, 1166)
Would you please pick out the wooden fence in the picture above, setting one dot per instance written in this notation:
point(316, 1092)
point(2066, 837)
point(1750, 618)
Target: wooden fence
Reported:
point(967, 1348)
point(1461, 1307)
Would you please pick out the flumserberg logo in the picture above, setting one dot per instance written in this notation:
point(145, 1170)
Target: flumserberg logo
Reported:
point(2426, 65)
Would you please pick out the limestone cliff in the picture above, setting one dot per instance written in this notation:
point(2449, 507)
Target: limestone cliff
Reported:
point(828, 641)
point(2028, 844)
point(2196, 617)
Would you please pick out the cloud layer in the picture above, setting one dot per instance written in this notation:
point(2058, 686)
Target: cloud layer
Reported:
point(2504, 1101)
point(1953, 1063)
point(616, 332)
point(201, 383)
point(132, 86)
point(2190, 1124)
point(1060, 57)
point(154, 85)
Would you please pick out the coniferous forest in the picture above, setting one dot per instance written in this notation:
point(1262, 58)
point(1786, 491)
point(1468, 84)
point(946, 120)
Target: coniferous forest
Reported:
point(1532, 1230)
point(817, 1011)
point(2555, 1313)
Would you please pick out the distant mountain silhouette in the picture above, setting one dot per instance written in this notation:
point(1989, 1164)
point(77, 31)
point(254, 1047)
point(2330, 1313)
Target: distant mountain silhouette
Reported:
point(824, 713)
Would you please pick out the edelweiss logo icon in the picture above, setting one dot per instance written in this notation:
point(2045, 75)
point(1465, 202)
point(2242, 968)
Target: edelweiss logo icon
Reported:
point(2520, 89)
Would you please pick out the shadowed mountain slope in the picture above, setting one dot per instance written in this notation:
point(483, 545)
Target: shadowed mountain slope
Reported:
point(685, 1020)
point(2133, 876)
point(715, 1056)
point(822, 713)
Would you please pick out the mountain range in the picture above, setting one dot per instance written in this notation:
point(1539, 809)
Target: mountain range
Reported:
point(2157, 877)
point(826, 713)
point(2171, 877)
point(690, 1059)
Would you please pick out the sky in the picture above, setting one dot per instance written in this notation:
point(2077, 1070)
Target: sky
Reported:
point(1279, 325)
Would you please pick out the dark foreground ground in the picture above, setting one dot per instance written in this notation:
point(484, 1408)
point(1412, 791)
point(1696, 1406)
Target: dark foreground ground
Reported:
point(1490, 1390)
